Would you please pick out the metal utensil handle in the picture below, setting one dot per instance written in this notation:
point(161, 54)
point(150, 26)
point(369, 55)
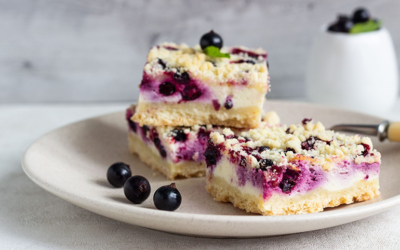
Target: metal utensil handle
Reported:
point(393, 133)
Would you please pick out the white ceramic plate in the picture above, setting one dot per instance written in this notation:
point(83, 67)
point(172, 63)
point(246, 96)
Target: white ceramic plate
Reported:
point(71, 162)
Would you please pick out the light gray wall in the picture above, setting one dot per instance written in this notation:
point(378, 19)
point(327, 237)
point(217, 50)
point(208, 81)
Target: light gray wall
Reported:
point(94, 50)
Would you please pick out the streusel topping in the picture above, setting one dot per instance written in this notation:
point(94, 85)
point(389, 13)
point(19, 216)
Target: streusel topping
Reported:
point(246, 66)
point(295, 142)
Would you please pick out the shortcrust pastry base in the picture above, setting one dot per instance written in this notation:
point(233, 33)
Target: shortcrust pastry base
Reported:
point(313, 202)
point(189, 114)
point(171, 170)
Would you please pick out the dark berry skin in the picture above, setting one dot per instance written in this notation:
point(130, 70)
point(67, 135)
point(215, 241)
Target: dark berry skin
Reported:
point(179, 135)
point(361, 15)
point(289, 180)
point(137, 189)
point(228, 102)
point(190, 93)
point(166, 88)
point(118, 173)
point(162, 63)
point(211, 39)
point(167, 198)
point(182, 77)
point(264, 163)
point(343, 24)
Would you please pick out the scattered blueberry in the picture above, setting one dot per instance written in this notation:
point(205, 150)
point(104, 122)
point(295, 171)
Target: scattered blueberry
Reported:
point(228, 102)
point(166, 88)
point(137, 189)
point(182, 77)
point(118, 173)
point(361, 15)
point(211, 39)
point(179, 135)
point(264, 163)
point(191, 92)
point(167, 198)
point(290, 150)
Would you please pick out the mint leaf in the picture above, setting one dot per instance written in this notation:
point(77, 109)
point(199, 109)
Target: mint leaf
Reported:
point(214, 52)
point(370, 25)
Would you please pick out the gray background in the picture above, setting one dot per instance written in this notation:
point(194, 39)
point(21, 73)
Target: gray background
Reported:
point(94, 51)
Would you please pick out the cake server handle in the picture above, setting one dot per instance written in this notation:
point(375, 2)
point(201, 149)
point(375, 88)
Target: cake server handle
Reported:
point(384, 130)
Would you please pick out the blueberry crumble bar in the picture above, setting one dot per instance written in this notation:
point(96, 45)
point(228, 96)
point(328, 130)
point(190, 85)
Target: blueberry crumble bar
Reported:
point(175, 151)
point(299, 169)
point(184, 86)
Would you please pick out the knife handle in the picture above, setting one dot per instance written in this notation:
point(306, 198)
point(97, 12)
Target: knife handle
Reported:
point(394, 132)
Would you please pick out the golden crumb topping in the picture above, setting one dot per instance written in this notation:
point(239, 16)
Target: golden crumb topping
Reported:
point(307, 141)
point(246, 66)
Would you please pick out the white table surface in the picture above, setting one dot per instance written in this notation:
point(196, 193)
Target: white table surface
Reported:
point(32, 218)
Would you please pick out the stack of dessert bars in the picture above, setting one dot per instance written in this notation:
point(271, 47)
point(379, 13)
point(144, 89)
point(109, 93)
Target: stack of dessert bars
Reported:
point(199, 115)
point(185, 95)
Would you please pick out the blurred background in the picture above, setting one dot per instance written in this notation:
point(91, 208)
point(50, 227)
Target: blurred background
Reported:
point(78, 51)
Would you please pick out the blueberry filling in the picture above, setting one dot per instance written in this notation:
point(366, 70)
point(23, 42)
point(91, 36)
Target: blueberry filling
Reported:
point(157, 143)
point(203, 135)
point(263, 148)
point(249, 53)
point(145, 129)
point(244, 61)
point(366, 150)
point(264, 163)
point(309, 143)
point(228, 102)
point(289, 180)
point(166, 88)
point(179, 135)
point(216, 104)
point(212, 154)
point(181, 77)
point(243, 161)
point(162, 63)
point(190, 92)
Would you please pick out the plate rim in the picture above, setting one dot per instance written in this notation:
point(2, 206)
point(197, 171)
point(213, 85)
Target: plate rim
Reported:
point(361, 211)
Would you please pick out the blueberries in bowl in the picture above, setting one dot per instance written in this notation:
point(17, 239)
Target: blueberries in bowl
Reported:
point(359, 22)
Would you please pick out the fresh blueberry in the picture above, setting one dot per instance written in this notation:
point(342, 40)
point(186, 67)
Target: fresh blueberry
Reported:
point(343, 24)
point(166, 88)
point(179, 135)
point(137, 189)
point(191, 92)
point(361, 15)
point(182, 77)
point(167, 198)
point(211, 39)
point(118, 173)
